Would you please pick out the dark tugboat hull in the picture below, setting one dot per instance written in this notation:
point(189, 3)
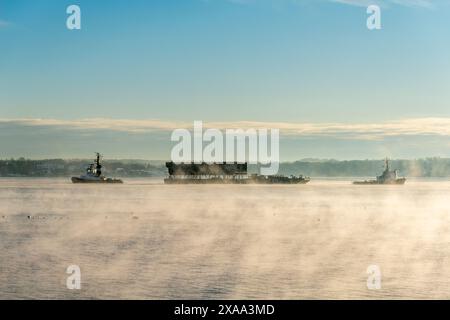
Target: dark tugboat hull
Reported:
point(374, 182)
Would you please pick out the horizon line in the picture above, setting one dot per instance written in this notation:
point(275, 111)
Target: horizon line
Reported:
point(290, 161)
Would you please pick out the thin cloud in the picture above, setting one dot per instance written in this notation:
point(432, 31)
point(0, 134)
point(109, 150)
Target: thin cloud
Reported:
point(359, 3)
point(406, 3)
point(360, 131)
point(416, 3)
point(125, 125)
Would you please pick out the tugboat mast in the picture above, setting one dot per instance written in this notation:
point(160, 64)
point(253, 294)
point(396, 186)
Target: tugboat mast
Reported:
point(98, 167)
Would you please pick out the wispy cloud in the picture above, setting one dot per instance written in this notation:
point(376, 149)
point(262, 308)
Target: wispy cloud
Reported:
point(385, 3)
point(361, 3)
point(361, 131)
point(125, 125)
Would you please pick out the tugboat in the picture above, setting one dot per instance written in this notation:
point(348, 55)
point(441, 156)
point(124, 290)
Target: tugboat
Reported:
point(387, 177)
point(94, 174)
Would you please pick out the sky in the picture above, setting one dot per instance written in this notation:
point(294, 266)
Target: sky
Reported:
point(139, 69)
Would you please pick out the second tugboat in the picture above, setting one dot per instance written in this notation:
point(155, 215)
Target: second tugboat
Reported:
point(94, 174)
point(387, 177)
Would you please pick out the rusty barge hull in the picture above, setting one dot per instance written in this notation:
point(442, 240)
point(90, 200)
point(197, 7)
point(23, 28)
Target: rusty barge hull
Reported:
point(234, 181)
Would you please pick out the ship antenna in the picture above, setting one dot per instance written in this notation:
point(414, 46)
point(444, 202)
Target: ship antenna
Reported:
point(98, 165)
point(97, 161)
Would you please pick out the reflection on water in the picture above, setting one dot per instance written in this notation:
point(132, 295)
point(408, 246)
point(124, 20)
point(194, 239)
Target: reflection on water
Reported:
point(147, 240)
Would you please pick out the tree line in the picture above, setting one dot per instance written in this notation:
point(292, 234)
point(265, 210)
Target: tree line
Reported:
point(429, 167)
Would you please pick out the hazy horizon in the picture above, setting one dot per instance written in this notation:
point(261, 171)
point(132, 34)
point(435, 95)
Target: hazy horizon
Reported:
point(6, 158)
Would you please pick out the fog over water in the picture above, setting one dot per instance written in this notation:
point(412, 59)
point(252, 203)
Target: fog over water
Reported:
point(147, 240)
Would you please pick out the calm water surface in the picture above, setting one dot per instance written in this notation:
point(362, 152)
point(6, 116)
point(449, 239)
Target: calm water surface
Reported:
point(146, 240)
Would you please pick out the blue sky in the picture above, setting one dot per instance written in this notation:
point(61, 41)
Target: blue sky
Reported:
point(280, 62)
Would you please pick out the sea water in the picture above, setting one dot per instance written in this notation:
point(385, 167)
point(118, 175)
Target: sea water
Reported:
point(147, 240)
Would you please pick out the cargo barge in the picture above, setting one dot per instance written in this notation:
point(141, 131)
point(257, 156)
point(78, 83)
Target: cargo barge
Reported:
point(223, 173)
